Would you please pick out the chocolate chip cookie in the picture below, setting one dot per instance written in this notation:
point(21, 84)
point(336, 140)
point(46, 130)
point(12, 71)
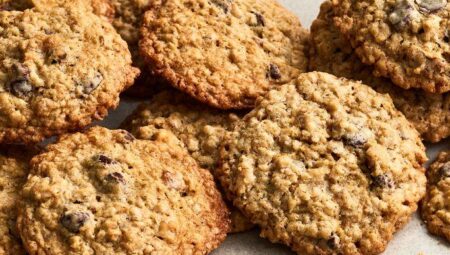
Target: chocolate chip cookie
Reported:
point(200, 129)
point(105, 192)
point(325, 165)
point(435, 207)
point(60, 70)
point(221, 52)
point(332, 53)
point(405, 40)
point(13, 174)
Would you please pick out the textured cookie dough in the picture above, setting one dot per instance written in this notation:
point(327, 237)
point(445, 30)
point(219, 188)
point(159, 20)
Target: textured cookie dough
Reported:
point(405, 40)
point(224, 53)
point(435, 207)
point(332, 53)
point(13, 175)
point(59, 70)
point(325, 166)
point(105, 192)
point(102, 8)
point(200, 129)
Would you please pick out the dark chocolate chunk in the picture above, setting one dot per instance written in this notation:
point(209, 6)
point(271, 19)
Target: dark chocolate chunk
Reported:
point(115, 177)
point(382, 181)
point(334, 241)
point(74, 221)
point(260, 21)
point(21, 88)
point(104, 159)
point(274, 72)
point(355, 140)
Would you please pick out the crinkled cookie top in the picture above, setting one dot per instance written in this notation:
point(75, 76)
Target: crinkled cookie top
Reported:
point(325, 165)
point(105, 192)
point(225, 53)
point(59, 70)
point(405, 40)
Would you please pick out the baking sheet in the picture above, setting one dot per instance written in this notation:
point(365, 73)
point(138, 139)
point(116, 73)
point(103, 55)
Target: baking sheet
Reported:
point(412, 239)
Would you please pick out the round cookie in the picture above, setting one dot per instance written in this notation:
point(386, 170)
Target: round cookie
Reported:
point(13, 175)
point(224, 53)
point(60, 70)
point(105, 192)
point(435, 207)
point(405, 40)
point(332, 53)
point(325, 165)
point(200, 129)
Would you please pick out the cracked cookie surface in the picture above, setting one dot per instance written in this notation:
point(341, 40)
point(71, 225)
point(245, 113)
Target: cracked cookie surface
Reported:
point(224, 53)
point(404, 40)
point(435, 208)
point(105, 192)
point(13, 175)
point(326, 166)
point(200, 129)
point(60, 70)
point(332, 53)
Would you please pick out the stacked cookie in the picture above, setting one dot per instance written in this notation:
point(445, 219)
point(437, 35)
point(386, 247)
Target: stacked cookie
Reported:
point(264, 125)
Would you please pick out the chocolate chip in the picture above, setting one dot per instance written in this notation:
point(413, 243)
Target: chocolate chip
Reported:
point(444, 171)
point(334, 241)
point(127, 136)
point(21, 88)
point(403, 13)
point(428, 6)
point(223, 4)
point(104, 159)
point(355, 140)
point(274, 72)
point(93, 84)
point(260, 21)
point(382, 181)
point(115, 177)
point(74, 221)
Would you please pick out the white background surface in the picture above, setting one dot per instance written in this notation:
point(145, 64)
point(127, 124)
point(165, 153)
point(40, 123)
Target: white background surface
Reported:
point(413, 239)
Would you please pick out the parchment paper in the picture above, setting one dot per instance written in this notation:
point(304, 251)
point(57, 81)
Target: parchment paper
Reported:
point(412, 239)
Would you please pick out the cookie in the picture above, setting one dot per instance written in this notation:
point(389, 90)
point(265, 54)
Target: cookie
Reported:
point(224, 53)
point(435, 208)
point(105, 192)
point(13, 175)
point(200, 129)
point(332, 53)
point(325, 165)
point(127, 21)
point(404, 40)
point(60, 70)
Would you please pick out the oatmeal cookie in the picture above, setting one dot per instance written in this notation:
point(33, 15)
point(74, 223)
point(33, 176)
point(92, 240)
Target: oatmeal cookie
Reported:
point(325, 165)
point(404, 40)
point(105, 192)
point(221, 52)
point(59, 70)
point(332, 53)
point(435, 207)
